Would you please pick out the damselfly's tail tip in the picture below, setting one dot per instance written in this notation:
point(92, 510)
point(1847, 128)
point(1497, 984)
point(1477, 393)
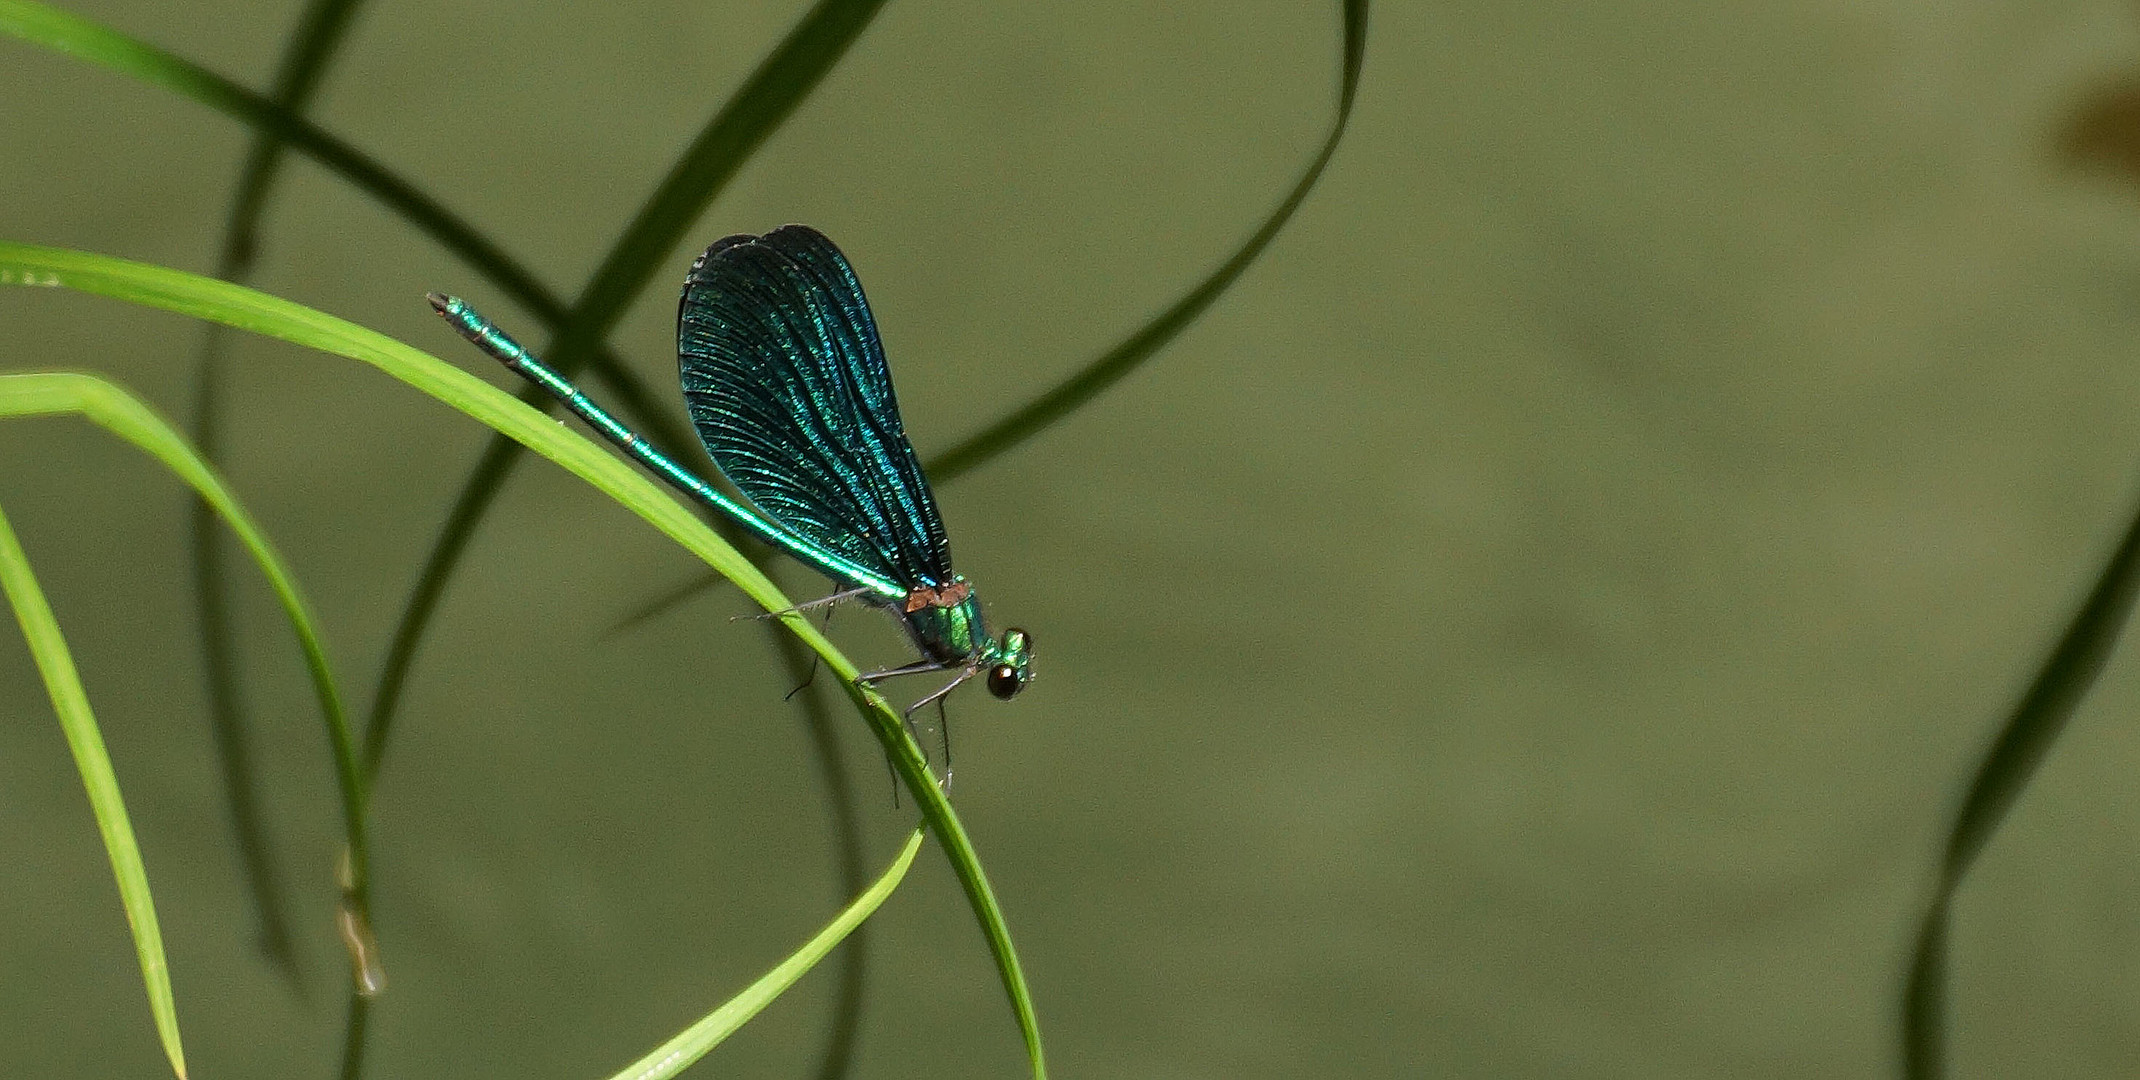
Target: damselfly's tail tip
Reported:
point(440, 302)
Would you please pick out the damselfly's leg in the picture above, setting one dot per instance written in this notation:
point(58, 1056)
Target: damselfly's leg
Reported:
point(937, 694)
point(918, 667)
point(936, 697)
point(943, 731)
point(923, 667)
point(814, 661)
point(811, 605)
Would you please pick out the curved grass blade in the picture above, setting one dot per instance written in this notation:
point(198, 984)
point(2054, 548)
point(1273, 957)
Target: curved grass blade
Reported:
point(227, 721)
point(1112, 366)
point(319, 32)
point(71, 702)
point(122, 414)
point(247, 309)
point(693, 1042)
point(781, 81)
point(2023, 742)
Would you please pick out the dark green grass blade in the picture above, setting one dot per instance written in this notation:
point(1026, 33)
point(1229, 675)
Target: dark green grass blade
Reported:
point(765, 100)
point(227, 721)
point(661, 605)
point(476, 495)
point(234, 305)
point(1134, 350)
point(71, 702)
point(2030, 730)
point(304, 63)
point(319, 31)
point(356, 1025)
point(781, 81)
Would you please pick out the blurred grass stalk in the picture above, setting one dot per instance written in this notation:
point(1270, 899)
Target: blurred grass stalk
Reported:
point(2034, 725)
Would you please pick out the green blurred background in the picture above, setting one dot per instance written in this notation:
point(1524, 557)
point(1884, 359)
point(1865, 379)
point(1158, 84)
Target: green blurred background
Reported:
point(1537, 624)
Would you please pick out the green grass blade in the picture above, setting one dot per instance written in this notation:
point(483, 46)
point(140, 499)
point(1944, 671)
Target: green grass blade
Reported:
point(71, 702)
point(772, 92)
point(122, 414)
point(693, 1042)
point(250, 310)
point(247, 309)
point(1115, 364)
point(228, 726)
point(2023, 742)
point(319, 31)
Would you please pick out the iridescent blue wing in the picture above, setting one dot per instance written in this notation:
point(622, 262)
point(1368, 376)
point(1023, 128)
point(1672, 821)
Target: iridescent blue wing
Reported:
point(786, 381)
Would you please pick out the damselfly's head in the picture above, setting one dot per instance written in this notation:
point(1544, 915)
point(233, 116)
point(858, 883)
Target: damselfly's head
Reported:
point(1013, 666)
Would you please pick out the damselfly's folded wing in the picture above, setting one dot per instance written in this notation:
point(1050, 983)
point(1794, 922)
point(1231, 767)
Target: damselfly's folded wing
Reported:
point(786, 382)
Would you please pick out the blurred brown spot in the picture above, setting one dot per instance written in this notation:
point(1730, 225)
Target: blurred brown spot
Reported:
point(2105, 133)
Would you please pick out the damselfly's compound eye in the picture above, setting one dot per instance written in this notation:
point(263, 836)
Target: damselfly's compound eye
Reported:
point(1005, 681)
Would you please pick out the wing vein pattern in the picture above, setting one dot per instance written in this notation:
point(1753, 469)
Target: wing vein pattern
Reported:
point(785, 379)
